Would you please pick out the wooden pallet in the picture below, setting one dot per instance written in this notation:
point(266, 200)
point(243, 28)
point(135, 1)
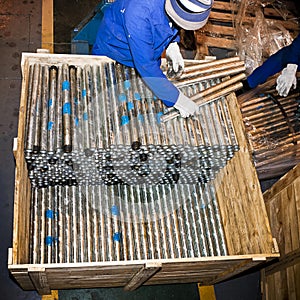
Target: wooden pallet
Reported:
point(220, 30)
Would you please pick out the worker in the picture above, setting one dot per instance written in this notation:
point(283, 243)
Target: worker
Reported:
point(135, 33)
point(287, 60)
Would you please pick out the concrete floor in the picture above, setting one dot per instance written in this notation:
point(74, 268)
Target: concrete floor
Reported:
point(20, 31)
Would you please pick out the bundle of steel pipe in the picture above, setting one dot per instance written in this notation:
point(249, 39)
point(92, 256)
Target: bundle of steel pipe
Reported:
point(121, 222)
point(99, 124)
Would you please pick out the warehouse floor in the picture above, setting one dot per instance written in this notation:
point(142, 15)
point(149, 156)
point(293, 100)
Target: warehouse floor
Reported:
point(20, 31)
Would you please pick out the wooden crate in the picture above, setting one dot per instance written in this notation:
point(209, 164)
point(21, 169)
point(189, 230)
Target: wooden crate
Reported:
point(281, 280)
point(221, 32)
point(243, 216)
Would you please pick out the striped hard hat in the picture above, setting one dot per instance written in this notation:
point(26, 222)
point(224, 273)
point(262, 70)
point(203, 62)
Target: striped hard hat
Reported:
point(189, 14)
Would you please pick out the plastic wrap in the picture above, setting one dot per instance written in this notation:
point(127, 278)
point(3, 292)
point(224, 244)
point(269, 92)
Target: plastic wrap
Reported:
point(256, 36)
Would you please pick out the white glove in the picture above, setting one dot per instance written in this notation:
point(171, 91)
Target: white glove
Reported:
point(173, 55)
point(185, 106)
point(287, 79)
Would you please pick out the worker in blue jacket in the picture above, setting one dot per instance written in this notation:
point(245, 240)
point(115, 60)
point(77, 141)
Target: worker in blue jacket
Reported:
point(136, 32)
point(286, 60)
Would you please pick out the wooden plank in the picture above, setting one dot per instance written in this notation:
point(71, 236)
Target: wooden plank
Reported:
point(287, 260)
point(272, 13)
point(22, 189)
point(147, 271)
point(40, 281)
point(202, 39)
point(294, 227)
point(224, 5)
point(47, 25)
point(221, 17)
point(283, 182)
point(212, 29)
point(297, 279)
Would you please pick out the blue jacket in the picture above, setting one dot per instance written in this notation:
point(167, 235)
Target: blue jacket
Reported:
point(135, 33)
point(275, 63)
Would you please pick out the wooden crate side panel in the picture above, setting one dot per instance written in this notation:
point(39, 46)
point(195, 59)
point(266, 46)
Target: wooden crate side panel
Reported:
point(243, 211)
point(283, 284)
point(66, 277)
point(206, 273)
point(283, 207)
point(284, 214)
point(22, 188)
point(229, 198)
point(90, 277)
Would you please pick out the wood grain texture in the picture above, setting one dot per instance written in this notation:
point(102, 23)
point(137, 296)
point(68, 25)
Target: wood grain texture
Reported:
point(282, 203)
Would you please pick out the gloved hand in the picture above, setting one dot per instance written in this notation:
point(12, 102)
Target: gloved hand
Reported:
point(174, 60)
point(185, 106)
point(287, 79)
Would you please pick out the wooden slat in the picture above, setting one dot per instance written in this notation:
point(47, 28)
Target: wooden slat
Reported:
point(224, 5)
point(272, 13)
point(39, 279)
point(287, 260)
point(47, 25)
point(209, 41)
point(22, 190)
point(221, 17)
point(142, 275)
point(216, 30)
point(284, 181)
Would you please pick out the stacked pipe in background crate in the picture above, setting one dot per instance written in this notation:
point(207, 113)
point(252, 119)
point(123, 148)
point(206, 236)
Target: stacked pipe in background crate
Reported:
point(110, 180)
point(254, 30)
point(272, 126)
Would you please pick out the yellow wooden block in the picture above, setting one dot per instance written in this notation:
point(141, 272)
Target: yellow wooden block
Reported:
point(207, 292)
point(53, 296)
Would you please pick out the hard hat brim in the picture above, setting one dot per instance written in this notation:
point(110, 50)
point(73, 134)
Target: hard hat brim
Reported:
point(186, 20)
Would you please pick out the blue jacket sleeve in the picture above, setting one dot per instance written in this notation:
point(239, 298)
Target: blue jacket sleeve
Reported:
point(140, 38)
point(275, 63)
